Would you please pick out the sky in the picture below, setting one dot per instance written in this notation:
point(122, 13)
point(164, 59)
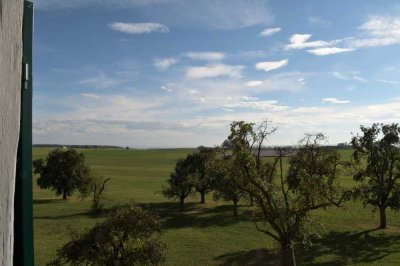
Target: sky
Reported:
point(176, 73)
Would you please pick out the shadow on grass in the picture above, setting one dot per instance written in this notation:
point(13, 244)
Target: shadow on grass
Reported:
point(348, 248)
point(195, 215)
point(251, 257)
point(47, 201)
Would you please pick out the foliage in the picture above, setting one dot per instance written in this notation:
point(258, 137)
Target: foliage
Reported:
point(202, 165)
point(225, 184)
point(95, 185)
point(128, 236)
point(284, 201)
point(180, 182)
point(63, 171)
point(380, 176)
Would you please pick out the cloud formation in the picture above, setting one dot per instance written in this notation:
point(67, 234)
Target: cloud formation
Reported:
point(268, 66)
point(207, 56)
point(138, 28)
point(269, 31)
point(329, 51)
point(334, 101)
point(214, 70)
point(165, 63)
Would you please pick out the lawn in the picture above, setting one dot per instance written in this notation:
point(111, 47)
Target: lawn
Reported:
point(207, 234)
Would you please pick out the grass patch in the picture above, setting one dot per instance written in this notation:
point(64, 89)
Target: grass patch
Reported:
point(207, 234)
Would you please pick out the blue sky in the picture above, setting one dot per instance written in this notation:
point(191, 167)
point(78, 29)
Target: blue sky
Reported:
point(176, 73)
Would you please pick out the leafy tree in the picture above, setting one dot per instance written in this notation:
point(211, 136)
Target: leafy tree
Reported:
point(225, 184)
point(202, 170)
point(284, 201)
point(128, 236)
point(180, 182)
point(63, 171)
point(380, 174)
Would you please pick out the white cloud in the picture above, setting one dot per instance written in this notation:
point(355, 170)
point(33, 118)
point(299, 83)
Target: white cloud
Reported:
point(383, 30)
point(269, 31)
point(90, 95)
point(334, 101)
point(165, 88)
point(254, 83)
point(207, 56)
point(268, 66)
point(164, 64)
point(214, 70)
point(299, 41)
point(329, 51)
point(138, 28)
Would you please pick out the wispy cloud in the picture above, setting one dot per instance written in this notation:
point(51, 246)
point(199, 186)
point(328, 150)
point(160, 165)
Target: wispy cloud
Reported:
point(329, 51)
point(392, 82)
point(268, 66)
point(352, 75)
point(334, 101)
point(165, 88)
point(90, 95)
point(207, 56)
point(254, 83)
point(100, 81)
point(319, 22)
point(138, 28)
point(269, 31)
point(214, 70)
point(165, 63)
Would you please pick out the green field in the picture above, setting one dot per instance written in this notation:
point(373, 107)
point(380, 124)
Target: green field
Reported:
point(208, 234)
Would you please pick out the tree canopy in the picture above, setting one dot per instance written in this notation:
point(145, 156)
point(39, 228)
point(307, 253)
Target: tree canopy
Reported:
point(63, 171)
point(128, 236)
point(379, 176)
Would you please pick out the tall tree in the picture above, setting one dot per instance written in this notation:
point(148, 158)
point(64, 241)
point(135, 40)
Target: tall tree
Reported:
point(180, 182)
point(63, 171)
point(380, 174)
point(284, 201)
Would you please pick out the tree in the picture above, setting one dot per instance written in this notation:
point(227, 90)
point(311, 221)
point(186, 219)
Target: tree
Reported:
point(380, 174)
point(128, 236)
point(202, 170)
point(95, 185)
point(225, 185)
point(284, 201)
point(63, 171)
point(180, 182)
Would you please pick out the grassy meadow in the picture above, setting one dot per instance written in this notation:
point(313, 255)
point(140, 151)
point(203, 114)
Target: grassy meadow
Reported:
point(207, 234)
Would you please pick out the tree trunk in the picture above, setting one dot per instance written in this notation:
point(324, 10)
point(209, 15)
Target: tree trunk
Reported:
point(202, 194)
point(182, 201)
point(235, 207)
point(382, 215)
point(288, 258)
point(64, 195)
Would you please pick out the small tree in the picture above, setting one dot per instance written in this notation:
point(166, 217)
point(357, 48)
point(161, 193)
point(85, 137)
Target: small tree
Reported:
point(180, 182)
point(380, 174)
point(95, 185)
point(128, 236)
point(63, 171)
